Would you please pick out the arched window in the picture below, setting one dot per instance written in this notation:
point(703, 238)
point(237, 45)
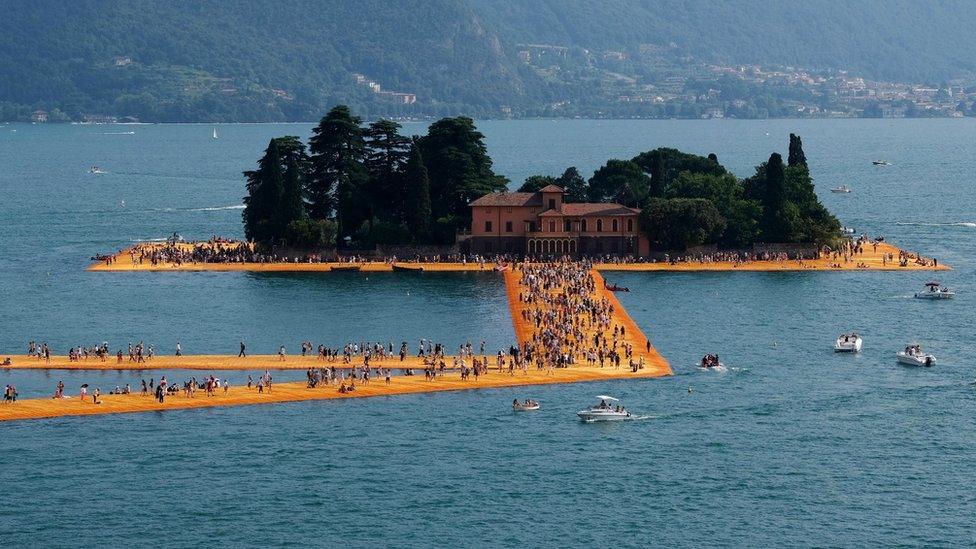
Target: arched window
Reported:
point(599, 225)
point(582, 225)
point(630, 225)
point(614, 224)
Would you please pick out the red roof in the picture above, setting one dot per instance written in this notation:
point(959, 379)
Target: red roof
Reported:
point(591, 208)
point(552, 189)
point(508, 199)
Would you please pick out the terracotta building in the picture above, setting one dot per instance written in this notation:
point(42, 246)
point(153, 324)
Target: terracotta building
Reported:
point(542, 223)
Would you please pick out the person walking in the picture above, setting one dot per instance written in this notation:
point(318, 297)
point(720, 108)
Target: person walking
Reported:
point(242, 353)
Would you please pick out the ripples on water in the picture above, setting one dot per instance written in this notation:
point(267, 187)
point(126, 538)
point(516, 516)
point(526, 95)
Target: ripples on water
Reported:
point(792, 445)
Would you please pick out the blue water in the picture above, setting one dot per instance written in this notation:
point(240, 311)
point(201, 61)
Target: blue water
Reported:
point(792, 445)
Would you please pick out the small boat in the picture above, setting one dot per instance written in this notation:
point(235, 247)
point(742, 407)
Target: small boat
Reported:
point(527, 406)
point(604, 411)
point(215, 132)
point(848, 343)
point(841, 189)
point(711, 361)
point(96, 170)
point(615, 288)
point(935, 290)
point(847, 230)
point(344, 268)
point(880, 162)
point(405, 269)
point(914, 356)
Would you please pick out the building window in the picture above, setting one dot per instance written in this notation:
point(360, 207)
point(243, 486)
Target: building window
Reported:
point(599, 226)
point(552, 203)
point(552, 226)
point(630, 225)
point(567, 225)
point(487, 226)
point(508, 226)
point(614, 224)
point(582, 225)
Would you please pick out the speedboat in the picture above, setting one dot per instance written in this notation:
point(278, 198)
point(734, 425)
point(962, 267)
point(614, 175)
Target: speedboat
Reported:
point(841, 189)
point(935, 290)
point(848, 343)
point(604, 411)
point(880, 162)
point(914, 356)
point(96, 170)
point(527, 406)
point(847, 230)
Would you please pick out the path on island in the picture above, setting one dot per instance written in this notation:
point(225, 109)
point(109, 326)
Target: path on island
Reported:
point(655, 366)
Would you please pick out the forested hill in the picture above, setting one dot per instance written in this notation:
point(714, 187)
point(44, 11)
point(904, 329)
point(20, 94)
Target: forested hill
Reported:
point(249, 60)
point(898, 40)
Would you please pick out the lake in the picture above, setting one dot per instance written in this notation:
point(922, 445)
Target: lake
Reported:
point(792, 445)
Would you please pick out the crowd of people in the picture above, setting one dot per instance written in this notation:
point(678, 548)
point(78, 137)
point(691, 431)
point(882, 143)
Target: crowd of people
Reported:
point(570, 322)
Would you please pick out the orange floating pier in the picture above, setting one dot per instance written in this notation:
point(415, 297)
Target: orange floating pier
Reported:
point(654, 366)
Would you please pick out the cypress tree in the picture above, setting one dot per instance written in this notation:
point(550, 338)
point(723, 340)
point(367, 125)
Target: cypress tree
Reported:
point(416, 188)
point(774, 199)
point(796, 156)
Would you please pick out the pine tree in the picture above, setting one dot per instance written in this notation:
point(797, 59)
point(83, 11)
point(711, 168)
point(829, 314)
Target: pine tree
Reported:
point(337, 148)
point(386, 152)
point(573, 183)
point(264, 187)
point(416, 194)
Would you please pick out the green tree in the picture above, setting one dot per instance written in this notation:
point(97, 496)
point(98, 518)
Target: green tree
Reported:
point(619, 181)
point(264, 186)
point(679, 223)
point(535, 183)
point(459, 169)
point(796, 156)
point(664, 164)
point(416, 194)
point(726, 193)
point(774, 224)
point(291, 205)
point(573, 183)
point(386, 152)
point(337, 148)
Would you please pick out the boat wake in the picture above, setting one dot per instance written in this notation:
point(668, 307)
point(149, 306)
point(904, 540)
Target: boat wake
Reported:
point(216, 208)
point(969, 224)
point(115, 133)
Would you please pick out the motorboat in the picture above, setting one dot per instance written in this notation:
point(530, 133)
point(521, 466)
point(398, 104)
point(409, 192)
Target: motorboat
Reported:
point(96, 170)
point(615, 287)
point(847, 230)
point(848, 343)
point(604, 411)
point(527, 406)
point(914, 356)
point(841, 189)
point(710, 361)
point(880, 162)
point(935, 290)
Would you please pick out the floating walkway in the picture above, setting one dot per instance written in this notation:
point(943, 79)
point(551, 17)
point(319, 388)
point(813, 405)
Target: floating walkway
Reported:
point(871, 260)
point(654, 366)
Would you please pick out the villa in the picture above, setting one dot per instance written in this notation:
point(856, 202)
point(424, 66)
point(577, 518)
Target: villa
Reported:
point(544, 223)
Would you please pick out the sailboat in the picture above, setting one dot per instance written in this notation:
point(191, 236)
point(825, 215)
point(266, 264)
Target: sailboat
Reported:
point(215, 132)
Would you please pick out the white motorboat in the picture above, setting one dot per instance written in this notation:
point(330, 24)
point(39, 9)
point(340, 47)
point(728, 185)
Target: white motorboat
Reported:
point(848, 343)
point(935, 290)
point(604, 411)
point(841, 189)
point(847, 230)
point(96, 170)
point(527, 406)
point(880, 162)
point(914, 356)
